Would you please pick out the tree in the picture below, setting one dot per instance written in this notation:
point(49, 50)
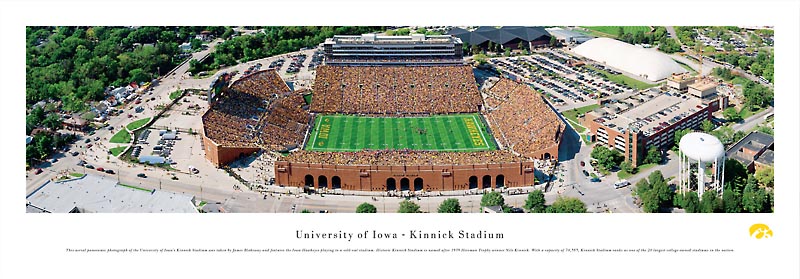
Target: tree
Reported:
point(766, 177)
point(691, 203)
point(607, 158)
point(707, 126)
point(627, 167)
point(731, 115)
point(520, 45)
point(553, 41)
point(407, 206)
point(450, 205)
point(653, 156)
point(754, 200)
point(305, 211)
point(52, 121)
point(642, 187)
point(492, 199)
point(421, 30)
point(620, 31)
point(507, 52)
point(710, 202)
point(650, 202)
point(535, 202)
point(731, 201)
point(736, 174)
point(567, 205)
point(366, 208)
point(679, 135)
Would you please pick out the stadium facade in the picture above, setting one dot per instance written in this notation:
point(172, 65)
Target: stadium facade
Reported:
point(509, 37)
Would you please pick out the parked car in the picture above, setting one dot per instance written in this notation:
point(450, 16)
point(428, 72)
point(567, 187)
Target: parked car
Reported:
point(583, 164)
point(142, 175)
point(586, 173)
point(110, 171)
point(96, 138)
point(38, 171)
point(89, 145)
point(101, 169)
point(81, 163)
point(595, 179)
point(53, 160)
point(87, 141)
point(88, 166)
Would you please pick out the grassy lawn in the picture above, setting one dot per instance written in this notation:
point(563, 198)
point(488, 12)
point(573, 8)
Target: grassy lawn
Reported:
point(137, 124)
point(208, 74)
point(307, 97)
point(578, 128)
point(175, 95)
point(625, 175)
point(75, 174)
point(613, 31)
point(746, 112)
point(685, 66)
point(121, 136)
point(463, 132)
point(572, 114)
point(623, 79)
point(134, 187)
point(117, 150)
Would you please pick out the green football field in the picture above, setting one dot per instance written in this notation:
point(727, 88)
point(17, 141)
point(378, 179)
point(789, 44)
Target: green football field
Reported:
point(463, 132)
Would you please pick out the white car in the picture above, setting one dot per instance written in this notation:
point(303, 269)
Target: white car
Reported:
point(621, 183)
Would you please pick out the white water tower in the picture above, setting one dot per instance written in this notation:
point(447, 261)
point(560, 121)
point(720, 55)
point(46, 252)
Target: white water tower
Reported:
point(701, 149)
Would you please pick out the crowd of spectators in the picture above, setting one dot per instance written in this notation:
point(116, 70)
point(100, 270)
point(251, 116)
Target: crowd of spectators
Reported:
point(361, 60)
point(256, 111)
point(403, 157)
point(395, 90)
point(523, 120)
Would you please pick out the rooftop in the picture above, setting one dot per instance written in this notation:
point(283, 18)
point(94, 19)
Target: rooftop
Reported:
point(103, 195)
point(377, 39)
point(648, 111)
point(703, 85)
point(766, 158)
point(755, 141)
point(681, 77)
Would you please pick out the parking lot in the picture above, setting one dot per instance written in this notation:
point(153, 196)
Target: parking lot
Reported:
point(561, 77)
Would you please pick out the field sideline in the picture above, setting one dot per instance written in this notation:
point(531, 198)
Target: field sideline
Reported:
point(462, 132)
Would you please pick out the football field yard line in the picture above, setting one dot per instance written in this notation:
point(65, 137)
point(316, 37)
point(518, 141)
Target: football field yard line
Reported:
point(480, 131)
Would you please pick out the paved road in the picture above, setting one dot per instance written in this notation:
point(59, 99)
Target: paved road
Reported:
point(753, 121)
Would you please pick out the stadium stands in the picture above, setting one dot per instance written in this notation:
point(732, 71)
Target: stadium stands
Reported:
point(257, 111)
point(395, 90)
point(524, 122)
point(404, 158)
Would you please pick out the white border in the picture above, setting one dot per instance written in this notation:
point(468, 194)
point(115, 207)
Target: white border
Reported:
point(32, 245)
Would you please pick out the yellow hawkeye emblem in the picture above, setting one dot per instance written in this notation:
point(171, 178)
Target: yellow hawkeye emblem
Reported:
point(760, 231)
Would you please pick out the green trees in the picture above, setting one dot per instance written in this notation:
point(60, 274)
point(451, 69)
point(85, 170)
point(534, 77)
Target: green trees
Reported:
point(655, 194)
point(731, 115)
point(731, 201)
point(449, 206)
point(679, 135)
point(710, 202)
point(766, 177)
point(553, 42)
point(366, 208)
point(627, 167)
point(707, 126)
point(567, 205)
point(606, 158)
point(691, 202)
point(653, 156)
point(407, 206)
point(535, 202)
point(492, 199)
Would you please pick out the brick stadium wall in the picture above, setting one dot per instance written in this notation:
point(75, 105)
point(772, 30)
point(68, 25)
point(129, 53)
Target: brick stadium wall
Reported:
point(434, 178)
point(221, 155)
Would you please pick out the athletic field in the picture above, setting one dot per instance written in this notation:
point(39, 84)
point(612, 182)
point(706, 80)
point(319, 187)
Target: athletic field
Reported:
point(463, 132)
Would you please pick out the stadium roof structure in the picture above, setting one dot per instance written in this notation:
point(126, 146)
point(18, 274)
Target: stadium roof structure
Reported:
point(649, 64)
point(500, 35)
point(568, 35)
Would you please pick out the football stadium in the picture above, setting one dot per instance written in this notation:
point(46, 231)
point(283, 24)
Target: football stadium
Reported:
point(401, 113)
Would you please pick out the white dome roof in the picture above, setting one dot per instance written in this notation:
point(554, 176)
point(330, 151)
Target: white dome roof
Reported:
point(636, 60)
point(701, 147)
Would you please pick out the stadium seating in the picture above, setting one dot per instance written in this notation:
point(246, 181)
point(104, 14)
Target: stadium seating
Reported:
point(395, 90)
point(521, 119)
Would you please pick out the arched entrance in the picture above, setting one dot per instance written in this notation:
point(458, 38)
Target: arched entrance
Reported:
point(309, 180)
point(336, 182)
point(391, 184)
point(547, 156)
point(404, 183)
point(500, 181)
point(323, 181)
point(473, 182)
point(418, 184)
point(487, 181)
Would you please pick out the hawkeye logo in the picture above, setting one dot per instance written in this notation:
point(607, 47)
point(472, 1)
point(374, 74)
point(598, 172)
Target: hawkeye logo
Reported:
point(760, 231)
